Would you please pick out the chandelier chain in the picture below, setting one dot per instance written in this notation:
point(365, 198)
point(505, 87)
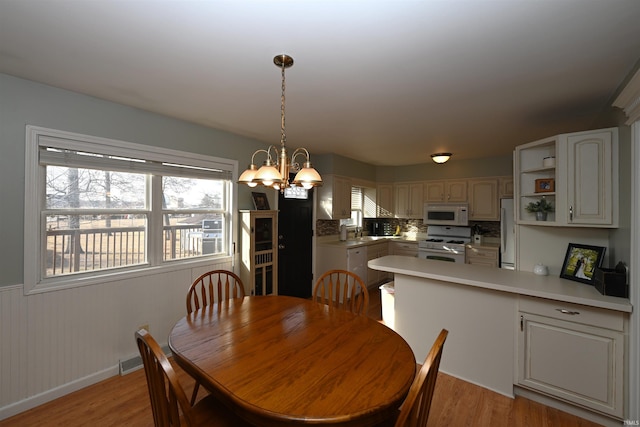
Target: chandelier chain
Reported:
point(283, 136)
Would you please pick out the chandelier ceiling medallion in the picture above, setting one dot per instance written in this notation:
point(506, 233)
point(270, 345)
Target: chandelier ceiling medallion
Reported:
point(276, 175)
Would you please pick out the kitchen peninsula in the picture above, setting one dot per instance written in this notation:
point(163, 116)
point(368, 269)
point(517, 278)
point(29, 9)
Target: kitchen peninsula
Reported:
point(516, 332)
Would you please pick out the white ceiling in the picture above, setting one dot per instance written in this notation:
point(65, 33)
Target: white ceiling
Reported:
point(384, 82)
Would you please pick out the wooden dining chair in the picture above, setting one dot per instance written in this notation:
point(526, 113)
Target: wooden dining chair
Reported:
point(168, 400)
point(414, 411)
point(212, 287)
point(342, 289)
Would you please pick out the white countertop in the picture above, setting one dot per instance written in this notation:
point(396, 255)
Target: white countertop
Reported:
point(518, 282)
point(364, 241)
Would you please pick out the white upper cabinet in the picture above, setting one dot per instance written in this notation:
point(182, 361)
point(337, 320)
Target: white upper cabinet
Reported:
point(384, 200)
point(483, 199)
point(590, 199)
point(334, 198)
point(505, 184)
point(577, 173)
point(409, 200)
point(446, 191)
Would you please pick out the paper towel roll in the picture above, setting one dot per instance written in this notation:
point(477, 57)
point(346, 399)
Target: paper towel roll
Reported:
point(343, 233)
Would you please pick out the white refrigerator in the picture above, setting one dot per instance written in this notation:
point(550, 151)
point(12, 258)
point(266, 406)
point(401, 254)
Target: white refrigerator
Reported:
point(507, 235)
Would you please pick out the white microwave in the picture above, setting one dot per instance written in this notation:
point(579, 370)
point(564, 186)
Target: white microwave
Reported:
point(446, 214)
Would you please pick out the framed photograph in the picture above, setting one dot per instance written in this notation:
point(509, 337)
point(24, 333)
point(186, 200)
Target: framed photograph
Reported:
point(545, 185)
point(260, 201)
point(581, 261)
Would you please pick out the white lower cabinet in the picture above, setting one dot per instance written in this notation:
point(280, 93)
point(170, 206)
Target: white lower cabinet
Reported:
point(572, 352)
point(375, 277)
point(482, 255)
point(337, 257)
point(403, 248)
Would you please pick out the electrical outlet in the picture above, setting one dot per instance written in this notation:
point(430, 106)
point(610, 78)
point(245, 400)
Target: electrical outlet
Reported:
point(145, 326)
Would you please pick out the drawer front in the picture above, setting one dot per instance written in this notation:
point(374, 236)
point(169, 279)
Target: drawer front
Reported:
point(593, 316)
point(488, 254)
point(482, 261)
point(407, 249)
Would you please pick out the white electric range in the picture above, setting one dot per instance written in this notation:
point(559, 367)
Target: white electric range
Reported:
point(445, 243)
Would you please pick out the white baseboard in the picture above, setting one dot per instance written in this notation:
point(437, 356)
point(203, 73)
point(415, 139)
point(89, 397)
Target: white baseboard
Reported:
point(49, 395)
point(568, 408)
point(467, 380)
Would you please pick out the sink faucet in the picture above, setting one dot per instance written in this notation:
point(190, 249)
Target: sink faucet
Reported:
point(358, 231)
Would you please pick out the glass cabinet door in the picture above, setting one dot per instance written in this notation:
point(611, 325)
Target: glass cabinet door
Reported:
point(259, 271)
point(263, 233)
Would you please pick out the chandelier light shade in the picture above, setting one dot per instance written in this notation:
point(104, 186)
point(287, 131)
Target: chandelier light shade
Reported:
point(441, 157)
point(274, 172)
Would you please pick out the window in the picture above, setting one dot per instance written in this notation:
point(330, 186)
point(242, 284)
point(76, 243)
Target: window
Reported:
point(95, 207)
point(357, 203)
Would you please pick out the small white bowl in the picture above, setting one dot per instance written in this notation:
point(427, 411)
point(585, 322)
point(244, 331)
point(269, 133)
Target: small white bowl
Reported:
point(549, 162)
point(540, 270)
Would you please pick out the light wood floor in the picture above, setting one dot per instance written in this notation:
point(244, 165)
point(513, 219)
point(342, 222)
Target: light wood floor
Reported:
point(124, 401)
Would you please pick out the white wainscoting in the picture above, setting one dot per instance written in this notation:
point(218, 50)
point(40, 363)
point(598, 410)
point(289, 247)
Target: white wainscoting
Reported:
point(56, 342)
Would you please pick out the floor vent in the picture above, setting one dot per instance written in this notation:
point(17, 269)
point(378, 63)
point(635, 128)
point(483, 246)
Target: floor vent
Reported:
point(134, 363)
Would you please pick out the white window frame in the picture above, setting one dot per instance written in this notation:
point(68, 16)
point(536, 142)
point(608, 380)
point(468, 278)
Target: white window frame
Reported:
point(34, 236)
point(357, 213)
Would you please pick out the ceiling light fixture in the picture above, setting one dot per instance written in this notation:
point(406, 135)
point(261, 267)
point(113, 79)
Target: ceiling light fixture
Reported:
point(277, 175)
point(440, 157)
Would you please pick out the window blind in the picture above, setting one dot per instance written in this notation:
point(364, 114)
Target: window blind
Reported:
point(82, 159)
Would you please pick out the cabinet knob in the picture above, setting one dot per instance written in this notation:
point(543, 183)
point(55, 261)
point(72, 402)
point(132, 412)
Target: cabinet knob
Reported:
point(280, 246)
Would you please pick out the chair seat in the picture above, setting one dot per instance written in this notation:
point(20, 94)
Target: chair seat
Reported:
point(210, 412)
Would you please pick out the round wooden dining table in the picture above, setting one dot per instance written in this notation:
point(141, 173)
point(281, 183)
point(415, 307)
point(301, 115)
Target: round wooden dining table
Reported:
point(279, 360)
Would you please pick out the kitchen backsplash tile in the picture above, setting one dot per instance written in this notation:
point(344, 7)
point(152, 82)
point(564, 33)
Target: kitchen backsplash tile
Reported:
point(487, 228)
point(327, 227)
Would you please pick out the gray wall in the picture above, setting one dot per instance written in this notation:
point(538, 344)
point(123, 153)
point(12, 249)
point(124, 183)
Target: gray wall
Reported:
point(469, 168)
point(23, 102)
point(339, 165)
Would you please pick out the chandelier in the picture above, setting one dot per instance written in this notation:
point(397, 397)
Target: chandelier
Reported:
point(276, 175)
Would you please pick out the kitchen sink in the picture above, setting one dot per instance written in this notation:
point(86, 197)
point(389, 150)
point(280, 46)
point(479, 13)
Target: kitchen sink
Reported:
point(367, 238)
